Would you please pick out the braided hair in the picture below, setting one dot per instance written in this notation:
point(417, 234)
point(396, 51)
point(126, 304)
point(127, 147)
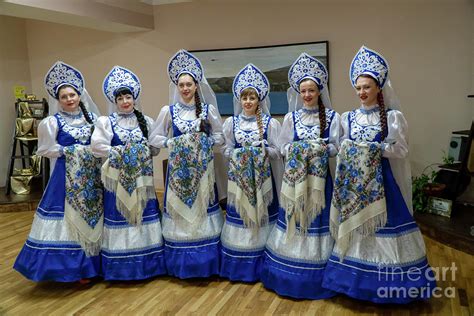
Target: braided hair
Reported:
point(382, 110)
point(247, 92)
point(81, 105)
point(321, 109)
point(322, 117)
point(140, 117)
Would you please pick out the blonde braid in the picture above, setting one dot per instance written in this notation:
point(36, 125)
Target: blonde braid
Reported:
point(259, 121)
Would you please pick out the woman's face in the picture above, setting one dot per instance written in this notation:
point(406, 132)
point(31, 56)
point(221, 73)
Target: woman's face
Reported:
point(367, 91)
point(309, 92)
point(125, 103)
point(249, 103)
point(68, 99)
point(187, 88)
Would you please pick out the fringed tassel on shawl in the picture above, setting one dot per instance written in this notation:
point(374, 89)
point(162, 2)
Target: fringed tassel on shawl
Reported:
point(302, 203)
point(195, 214)
point(90, 248)
point(368, 228)
point(303, 211)
point(252, 216)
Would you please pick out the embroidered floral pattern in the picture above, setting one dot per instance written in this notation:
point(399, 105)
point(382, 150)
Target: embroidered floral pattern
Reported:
point(81, 134)
point(189, 157)
point(186, 126)
point(310, 132)
point(362, 133)
point(246, 137)
point(249, 168)
point(304, 159)
point(133, 160)
point(359, 179)
point(126, 135)
point(84, 189)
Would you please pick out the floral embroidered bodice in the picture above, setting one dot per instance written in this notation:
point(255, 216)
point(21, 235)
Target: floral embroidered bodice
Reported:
point(303, 131)
point(124, 135)
point(69, 135)
point(185, 126)
point(247, 136)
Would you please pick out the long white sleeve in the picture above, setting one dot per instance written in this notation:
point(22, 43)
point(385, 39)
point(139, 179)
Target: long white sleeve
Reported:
point(286, 134)
point(102, 137)
point(344, 127)
point(149, 123)
point(228, 132)
point(334, 135)
point(160, 130)
point(47, 134)
point(216, 124)
point(273, 133)
point(395, 144)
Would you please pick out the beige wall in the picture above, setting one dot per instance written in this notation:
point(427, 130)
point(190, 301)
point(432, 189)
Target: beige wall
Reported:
point(428, 45)
point(14, 70)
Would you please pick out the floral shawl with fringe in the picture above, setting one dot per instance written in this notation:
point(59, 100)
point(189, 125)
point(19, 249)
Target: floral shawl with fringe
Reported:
point(191, 177)
point(358, 203)
point(249, 187)
point(83, 207)
point(302, 192)
point(128, 173)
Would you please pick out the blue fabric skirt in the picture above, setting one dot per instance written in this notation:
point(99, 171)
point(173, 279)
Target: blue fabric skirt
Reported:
point(131, 252)
point(193, 251)
point(295, 266)
point(49, 253)
point(389, 267)
point(243, 248)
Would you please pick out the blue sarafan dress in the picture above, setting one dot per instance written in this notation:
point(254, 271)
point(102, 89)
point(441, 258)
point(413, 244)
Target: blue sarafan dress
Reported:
point(191, 249)
point(242, 246)
point(389, 266)
point(50, 252)
point(294, 266)
point(128, 252)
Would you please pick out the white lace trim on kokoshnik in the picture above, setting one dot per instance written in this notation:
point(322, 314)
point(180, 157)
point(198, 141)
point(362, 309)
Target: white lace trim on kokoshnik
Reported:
point(358, 204)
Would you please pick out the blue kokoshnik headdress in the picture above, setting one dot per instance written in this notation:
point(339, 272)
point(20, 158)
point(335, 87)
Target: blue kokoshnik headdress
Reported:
point(307, 67)
point(183, 62)
point(251, 77)
point(61, 74)
point(370, 62)
point(120, 77)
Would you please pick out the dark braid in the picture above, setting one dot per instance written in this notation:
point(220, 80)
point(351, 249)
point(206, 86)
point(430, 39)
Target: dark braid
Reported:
point(85, 113)
point(141, 122)
point(322, 117)
point(204, 126)
point(383, 115)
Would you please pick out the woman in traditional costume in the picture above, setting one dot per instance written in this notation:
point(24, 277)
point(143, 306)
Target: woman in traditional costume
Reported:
point(64, 241)
point(189, 127)
point(379, 254)
point(251, 137)
point(132, 246)
point(300, 243)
